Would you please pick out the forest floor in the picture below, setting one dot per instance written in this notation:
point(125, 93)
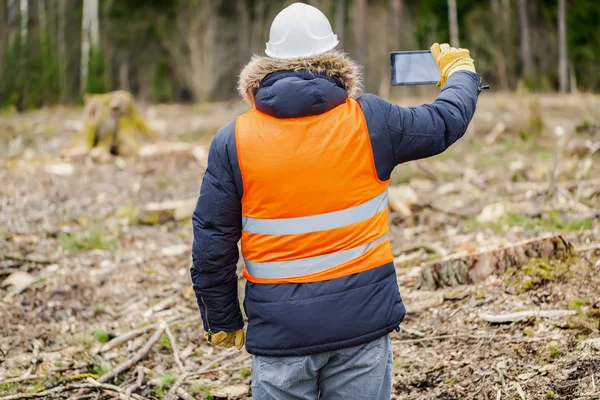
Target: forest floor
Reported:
point(89, 284)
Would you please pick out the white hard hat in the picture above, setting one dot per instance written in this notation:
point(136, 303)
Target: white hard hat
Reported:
point(298, 31)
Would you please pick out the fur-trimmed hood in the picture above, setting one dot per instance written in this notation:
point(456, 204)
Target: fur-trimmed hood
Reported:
point(333, 64)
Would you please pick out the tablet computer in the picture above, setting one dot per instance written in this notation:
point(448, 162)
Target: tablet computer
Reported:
point(414, 68)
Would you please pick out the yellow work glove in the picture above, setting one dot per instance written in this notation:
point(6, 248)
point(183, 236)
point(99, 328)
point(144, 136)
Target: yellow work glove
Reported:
point(450, 60)
point(227, 339)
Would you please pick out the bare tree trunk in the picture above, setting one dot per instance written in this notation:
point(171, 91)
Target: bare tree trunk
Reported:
point(452, 15)
point(396, 15)
point(94, 25)
point(3, 33)
point(43, 28)
point(85, 46)
point(340, 20)
point(62, 47)
point(525, 39)
point(12, 17)
point(562, 46)
point(24, 8)
point(124, 72)
point(361, 30)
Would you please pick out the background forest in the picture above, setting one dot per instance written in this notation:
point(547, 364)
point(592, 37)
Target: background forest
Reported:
point(53, 51)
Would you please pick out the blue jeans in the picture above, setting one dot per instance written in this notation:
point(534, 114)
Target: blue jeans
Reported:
point(360, 372)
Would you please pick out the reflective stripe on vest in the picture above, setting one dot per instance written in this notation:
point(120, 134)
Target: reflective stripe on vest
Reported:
point(313, 208)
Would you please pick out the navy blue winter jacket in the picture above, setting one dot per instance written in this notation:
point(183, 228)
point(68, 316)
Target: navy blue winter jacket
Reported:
point(300, 319)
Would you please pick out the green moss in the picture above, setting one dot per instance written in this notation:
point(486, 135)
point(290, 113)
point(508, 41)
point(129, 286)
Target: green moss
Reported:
point(577, 305)
point(587, 319)
point(164, 342)
point(536, 273)
point(130, 213)
point(449, 380)
point(8, 388)
point(548, 221)
point(163, 182)
point(165, 381)
point(555, 352)
point(198, 388)
point(94, 238)
point(245, 372)
point(583, 126)
point(529, 332)
point(100, 368)
point(101, 335)
point(549, 395)
point(86, 340)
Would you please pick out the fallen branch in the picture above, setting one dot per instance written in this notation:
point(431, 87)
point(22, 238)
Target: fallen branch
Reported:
point(520, 391)
point(54, 390)
point(519, 316)
point(25, 377)
point(124, 338)
point(410, 331)
point(137, 357)
point(185, 375)
point(184, 395)
point(476, 267)
point(139, 372)
point(511, 339)
point(174, 347)
point(92, 384)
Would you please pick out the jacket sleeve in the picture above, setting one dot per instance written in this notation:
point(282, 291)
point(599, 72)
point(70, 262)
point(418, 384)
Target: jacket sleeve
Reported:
point(217, 230)
point(401, 134)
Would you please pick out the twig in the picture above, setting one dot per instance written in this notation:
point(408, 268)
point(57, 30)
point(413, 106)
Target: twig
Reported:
point(410, 331)
point(124, 338)
point(139, 372)
point(225, 366)
point(587, 247)
point(520, 391)
point(485, 301)
point(54, 390)
point(184, 395)
point(501, 375)
point(499, 394)
point(519, 316)
point(185, 375)
point(592, 395)
point(82, 365)
point(444, 337)
point(174, 347)
point(25, 377)
point(92, 384)
point(137, 357)
point(510, 339)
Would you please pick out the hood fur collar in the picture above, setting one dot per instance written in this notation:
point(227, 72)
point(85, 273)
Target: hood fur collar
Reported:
point(333, 63)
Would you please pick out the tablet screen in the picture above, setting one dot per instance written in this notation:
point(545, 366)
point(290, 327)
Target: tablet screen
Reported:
point(414, 68)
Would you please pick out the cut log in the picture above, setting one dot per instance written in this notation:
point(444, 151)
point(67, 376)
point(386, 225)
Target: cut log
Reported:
point(158, 150)
point(519, 316)
point(400, 198)
point(159, 213)
point(472, 268)
point(113, 124)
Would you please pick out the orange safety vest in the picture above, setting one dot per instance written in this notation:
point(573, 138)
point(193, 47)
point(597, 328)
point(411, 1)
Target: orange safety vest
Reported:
point(313, 207)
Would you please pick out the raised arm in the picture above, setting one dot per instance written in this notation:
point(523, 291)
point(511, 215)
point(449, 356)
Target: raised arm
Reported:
point(401, 134)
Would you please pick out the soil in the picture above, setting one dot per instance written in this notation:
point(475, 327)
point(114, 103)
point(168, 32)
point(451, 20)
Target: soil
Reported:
point(89, 270)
